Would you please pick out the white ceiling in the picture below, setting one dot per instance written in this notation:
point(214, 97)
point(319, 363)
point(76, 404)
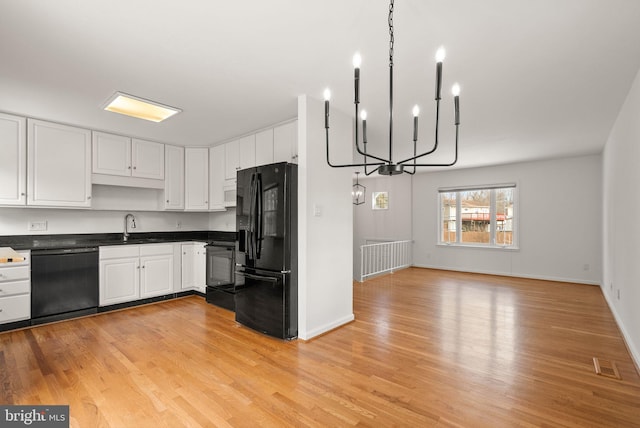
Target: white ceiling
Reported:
point(539, 78)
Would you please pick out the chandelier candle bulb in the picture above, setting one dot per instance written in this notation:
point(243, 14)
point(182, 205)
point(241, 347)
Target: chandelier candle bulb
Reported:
point(327, 97)
point(416, 112)
point(455, 90)
point(363, 116)
point(440, 54)
point(357, 60)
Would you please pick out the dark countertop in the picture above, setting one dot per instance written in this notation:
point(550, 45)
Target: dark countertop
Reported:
point(35, 242)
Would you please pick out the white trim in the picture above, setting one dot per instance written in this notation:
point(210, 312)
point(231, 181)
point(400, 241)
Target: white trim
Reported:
point(309, 334)
point(511, 275)
point(476, 187)
point(631, 346)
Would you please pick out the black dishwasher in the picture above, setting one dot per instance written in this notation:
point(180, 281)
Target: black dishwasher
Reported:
point(64, 283)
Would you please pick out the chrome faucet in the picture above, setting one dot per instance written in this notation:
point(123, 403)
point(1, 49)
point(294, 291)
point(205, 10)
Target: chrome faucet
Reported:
point(125, 236)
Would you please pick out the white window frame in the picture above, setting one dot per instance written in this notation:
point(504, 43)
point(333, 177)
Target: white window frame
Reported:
point(492, 240)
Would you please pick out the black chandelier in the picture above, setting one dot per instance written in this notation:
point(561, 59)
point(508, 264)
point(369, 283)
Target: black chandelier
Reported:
point(380, 164)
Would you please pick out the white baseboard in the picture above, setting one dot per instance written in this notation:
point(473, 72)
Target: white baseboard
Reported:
point(325, 328)
point(510, 274)
point(631, 346)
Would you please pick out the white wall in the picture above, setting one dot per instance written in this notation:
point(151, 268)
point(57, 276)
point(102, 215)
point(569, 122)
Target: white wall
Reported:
point(390, 224)
point(325, 223)
point(223, 221)
point(559, 230)
point(621, 228)
point(14, 221)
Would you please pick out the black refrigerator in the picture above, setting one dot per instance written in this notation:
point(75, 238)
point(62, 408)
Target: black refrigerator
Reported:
point(267, 249)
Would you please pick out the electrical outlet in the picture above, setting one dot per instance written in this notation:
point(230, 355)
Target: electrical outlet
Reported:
point(39, 226)
point(585, 267)
point(179, 224)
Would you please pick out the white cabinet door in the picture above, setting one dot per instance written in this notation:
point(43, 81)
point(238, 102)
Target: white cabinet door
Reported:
point(231, 159)
point(13, 160)
point(188, 263)
point(156, 275)
point(194, 275)
point(119, 280)
point(285, 142)
point(216, 178)
point(264, 147)
point(247, 151)
point(196, 178)
point(111, 154)
point(200, 268)
point(147, 159)
point(174, 178)
point(59, 165)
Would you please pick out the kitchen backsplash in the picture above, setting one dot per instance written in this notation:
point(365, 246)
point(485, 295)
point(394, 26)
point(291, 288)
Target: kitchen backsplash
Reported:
point(32, 221)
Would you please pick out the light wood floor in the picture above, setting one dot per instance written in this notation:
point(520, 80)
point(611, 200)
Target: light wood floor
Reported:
point(428, 348)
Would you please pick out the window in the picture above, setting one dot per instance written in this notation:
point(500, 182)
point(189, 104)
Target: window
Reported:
point(483, 216)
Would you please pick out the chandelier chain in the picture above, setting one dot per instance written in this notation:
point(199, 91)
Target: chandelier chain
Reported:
point(391, 40)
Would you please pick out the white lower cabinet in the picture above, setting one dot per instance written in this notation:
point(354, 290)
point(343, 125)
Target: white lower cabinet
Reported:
point(119, 280)
point(132, 272)
point(156, 275)
point(194, 266)
point(15, 290)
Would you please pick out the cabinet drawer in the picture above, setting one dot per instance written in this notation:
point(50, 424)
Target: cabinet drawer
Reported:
point(27, 259)
point(119, 251)
point(156, 249)
point(15, 308)
point(14, 273)
point(16, 287)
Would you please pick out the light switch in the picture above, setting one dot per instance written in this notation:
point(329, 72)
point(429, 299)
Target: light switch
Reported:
point(317, 210)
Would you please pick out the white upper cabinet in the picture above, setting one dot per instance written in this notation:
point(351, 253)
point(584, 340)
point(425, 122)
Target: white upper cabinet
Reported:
point(285, 142)
point(216, 178)
point(239, 154)
point(174, 178)
point(111, 154)
point(123, 156)
point(247, 151)
point(231, 159)
point(196, 191)
point(13, 160)
point(264, 147)
point(59, 165)
point(148, 159)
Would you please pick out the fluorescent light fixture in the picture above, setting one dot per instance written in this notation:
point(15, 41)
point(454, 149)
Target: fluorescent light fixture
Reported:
point(139, 107)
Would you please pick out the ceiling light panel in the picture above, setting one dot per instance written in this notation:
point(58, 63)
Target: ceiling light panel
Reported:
point(139, 107)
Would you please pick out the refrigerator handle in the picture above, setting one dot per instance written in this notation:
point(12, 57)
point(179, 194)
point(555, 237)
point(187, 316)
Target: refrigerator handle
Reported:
point(258, 277)
point(259, 212)
point(251, 222)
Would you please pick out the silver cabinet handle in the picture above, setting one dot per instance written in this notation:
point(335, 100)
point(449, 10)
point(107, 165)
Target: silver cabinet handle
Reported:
point(167, 200)
point(129, 167)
